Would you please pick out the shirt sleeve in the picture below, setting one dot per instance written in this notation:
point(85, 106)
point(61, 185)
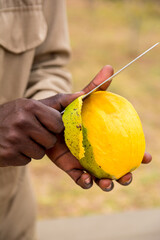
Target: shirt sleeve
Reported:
point(48, 74)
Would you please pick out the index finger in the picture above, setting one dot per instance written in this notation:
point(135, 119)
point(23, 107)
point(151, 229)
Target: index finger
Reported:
point(49, 117)
point(104, 74)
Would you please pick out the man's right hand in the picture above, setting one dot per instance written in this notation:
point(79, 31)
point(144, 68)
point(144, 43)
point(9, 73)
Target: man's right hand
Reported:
point(27, 129)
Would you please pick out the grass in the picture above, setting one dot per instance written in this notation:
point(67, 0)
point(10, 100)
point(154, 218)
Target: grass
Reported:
point(110, 32)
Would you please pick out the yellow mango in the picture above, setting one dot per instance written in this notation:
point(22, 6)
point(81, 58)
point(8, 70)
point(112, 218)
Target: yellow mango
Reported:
point(105, 134)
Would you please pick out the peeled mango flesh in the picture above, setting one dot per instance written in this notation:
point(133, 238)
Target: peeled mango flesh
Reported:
point(105, 134)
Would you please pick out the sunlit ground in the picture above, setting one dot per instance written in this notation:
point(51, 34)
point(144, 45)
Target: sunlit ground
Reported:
point(110, 32)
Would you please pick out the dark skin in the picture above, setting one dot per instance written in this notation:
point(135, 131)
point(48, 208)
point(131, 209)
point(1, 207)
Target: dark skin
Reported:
point(27, 129)
point(30, 129)
point(61, 155)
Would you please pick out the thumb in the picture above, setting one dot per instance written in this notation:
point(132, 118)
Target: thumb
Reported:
point(105, 73)
point(60, 101)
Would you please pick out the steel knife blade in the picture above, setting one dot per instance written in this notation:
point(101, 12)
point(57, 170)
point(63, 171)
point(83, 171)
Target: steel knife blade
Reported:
point(115, 74)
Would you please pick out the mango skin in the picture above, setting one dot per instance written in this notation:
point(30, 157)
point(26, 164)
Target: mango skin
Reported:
point(111, 141)
point(72, 119)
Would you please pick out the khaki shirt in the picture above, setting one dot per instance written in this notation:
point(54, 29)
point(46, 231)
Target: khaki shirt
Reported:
point(34, 48)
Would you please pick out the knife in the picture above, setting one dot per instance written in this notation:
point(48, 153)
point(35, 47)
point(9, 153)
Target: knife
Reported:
point(115, 74)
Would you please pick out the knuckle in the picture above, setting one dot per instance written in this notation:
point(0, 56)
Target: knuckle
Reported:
point(13, 137)
point(21, 119)
point(30, 105)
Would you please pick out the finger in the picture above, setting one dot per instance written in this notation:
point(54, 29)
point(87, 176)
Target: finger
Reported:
point(126, 179)
point(62, 157)
point(147, 158)
point(68, 163)
point(41, 135)
point(104, 74)
point(105, 184)
point(49, 117)
point(31, 149)
point(60, 101)
point(85, 181)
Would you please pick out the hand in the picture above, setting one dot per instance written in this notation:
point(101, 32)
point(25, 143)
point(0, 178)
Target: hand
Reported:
point(27, 129)
point(61, 155)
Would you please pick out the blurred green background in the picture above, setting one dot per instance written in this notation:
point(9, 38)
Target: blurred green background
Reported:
point(110, 32)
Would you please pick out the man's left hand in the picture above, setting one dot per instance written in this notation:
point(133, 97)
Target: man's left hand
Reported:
point(60, 154)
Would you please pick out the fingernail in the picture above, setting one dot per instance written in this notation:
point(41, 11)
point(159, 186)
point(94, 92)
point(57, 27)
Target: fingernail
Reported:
point(88, 182)
point(127, 182)
point(109, 188)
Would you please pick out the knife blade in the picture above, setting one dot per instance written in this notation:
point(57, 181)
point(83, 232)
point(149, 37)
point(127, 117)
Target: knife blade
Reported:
point(115, 74)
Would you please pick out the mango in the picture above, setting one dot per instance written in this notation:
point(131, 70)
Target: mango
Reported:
point(105, 134)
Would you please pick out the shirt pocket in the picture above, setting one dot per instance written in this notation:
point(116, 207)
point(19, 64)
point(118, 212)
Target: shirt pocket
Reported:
point(23, 26)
